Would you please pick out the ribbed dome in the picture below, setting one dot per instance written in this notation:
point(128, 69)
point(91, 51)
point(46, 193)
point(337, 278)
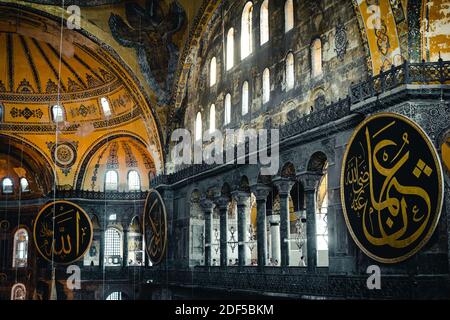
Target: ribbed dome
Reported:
point(121, 155)
point(33, 78)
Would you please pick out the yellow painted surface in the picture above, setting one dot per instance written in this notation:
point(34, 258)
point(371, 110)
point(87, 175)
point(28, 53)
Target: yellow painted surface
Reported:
point(384, 48)
point(435, 29)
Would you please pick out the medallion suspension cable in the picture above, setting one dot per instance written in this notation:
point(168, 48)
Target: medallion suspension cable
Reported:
point(58, 126)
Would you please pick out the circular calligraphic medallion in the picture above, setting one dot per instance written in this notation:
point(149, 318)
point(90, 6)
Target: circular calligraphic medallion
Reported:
point(62, 232)
point(155, 227)
point(391, 187)
point(64, 154)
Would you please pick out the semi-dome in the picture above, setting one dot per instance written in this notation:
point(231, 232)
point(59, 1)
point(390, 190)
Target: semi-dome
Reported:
point(121, 164)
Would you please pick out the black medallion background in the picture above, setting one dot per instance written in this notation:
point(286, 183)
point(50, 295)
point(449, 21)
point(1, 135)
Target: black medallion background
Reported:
point(72, 235)
point(155, 227)
point(391, 187)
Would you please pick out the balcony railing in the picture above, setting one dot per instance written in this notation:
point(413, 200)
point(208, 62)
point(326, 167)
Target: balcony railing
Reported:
point(407, 73)
point(100, 195)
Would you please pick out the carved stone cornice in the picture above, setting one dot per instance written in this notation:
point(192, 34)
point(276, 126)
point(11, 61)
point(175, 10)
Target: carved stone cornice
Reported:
point(207, 205)
point(284, 185)
point(241, 198)
point(222, 203)
point(310, 180)
point(274, 219)
point(261, 191)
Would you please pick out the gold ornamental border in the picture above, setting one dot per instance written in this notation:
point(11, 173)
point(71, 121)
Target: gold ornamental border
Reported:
point(82, 211)
point(430, 145)
point(163, 251)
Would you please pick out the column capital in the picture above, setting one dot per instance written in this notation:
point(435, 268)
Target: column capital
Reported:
point(241, 197)
point(283, 185)
point(310, 180)
point(222, 202)
point(274, 219)
point(207, 204)
point(261, 191)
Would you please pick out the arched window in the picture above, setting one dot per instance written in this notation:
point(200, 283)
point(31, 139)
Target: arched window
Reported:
point(290, 75)
point(18, 292)
point(111, 180)
point(105, 107)
point(264, 22)
point(322, 222)
point(134, 183)
point(57, 113)
point(288, 15)
point(136, 254)
point(245, 98)
point(198, 127)
point(230, 49)
point(24, 186)
point(115, 296)
point(266, 85)
point(113, 247)
point(212, 72)
point(7, 185)
point(316, 57)
point(212, 118)
point(227, 113)
point(20, 249)
point(246, 30)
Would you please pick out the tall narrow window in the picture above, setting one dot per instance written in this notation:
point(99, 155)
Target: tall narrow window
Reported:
point(198, 127)
point(105, 107)
point(111, 180)
point(213, 72)
point(212, 118)
point(227, 115)
point(113, 247)
point(288, 15)
point(20, 252)
point(134, 183)
point(136, 254)
point(266, 85)
point(322, 222)
point(264, 22)
point(316, 57)
point(246, 30)
point(24, 186)
point(245, 98)
point(57, 113)
point(7, 185)
point(230, 49)
point(290, 75)
point(1, 112)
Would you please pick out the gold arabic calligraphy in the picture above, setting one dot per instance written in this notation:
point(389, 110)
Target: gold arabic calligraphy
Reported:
point(399, 213)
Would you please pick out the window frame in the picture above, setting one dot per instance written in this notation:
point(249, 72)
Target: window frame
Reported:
point(106, 180)
point(63, 114)
point(3, 185)
point(138, 180)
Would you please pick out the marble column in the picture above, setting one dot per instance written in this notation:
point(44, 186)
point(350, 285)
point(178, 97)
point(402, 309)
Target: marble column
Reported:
point(310, 182)
point(284, 186)
point(242, 200)
point(125, 247)
point(274, 222)
point(261, 191)
point(102, 248)
point(208, 209)
point(223, 204)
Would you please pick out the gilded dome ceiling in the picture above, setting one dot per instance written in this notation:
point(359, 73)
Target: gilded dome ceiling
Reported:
point(121, 155)
point(30, 69)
